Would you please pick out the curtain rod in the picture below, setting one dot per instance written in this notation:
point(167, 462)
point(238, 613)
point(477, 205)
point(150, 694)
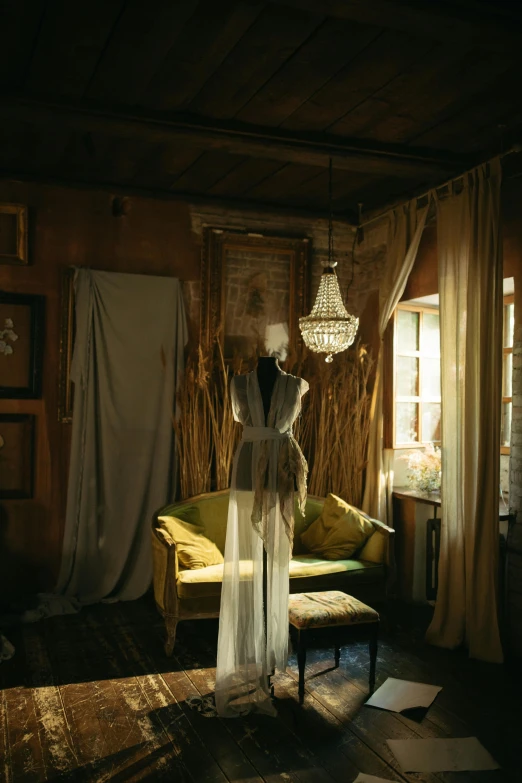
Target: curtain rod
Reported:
point(515, 148)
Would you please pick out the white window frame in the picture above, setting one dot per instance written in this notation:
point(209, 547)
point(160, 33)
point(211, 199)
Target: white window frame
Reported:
point(421, 355)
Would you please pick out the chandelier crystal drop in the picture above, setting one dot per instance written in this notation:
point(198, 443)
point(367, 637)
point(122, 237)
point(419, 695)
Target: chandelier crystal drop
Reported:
point(329, 328)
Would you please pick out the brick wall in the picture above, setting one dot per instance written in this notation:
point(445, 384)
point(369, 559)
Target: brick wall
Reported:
point(367, 268)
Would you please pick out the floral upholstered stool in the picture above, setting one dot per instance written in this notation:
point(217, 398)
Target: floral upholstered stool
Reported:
point(341, 619)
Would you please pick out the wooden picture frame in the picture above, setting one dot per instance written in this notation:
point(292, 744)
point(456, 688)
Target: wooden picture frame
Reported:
point(13, 234)
point(16, 456)
point(21, 345)
point(67, 330)
point(248, 282)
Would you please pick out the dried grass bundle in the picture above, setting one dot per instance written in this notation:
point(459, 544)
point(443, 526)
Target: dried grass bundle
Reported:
point(335, 422)
point(193, 427)
point(225, 431)
point(333, 428)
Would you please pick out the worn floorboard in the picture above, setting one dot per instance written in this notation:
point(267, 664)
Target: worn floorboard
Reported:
point(92, 697)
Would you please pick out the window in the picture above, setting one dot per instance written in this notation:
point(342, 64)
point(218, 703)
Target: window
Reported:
point(507, 374)
point(417, 394)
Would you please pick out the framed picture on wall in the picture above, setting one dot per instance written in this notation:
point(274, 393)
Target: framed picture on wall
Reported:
point(254, 290)
point(21, 345)
point(66, 389)
point(13, 234)
point(16, 455)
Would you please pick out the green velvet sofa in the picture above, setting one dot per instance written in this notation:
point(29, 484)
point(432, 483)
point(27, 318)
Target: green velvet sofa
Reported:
point(188, 594)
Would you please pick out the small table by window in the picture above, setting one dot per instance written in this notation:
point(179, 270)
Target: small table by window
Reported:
point(407, 523)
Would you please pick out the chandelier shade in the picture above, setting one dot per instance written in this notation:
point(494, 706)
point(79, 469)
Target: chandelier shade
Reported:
point(329, 328)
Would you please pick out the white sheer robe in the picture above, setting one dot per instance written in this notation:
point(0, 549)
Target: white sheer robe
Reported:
point(267, 457)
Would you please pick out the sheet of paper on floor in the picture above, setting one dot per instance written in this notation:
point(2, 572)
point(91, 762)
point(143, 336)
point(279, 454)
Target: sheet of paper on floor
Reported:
point(398, 695)
point(362, 777)
point(442, 755)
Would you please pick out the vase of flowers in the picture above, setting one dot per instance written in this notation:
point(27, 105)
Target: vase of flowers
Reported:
point(424, 469)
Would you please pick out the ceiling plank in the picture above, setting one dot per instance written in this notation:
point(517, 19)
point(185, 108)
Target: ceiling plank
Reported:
point(142, 37)
point(208, 169)
point(410, 114)
point(247, 175)
point(285, 181)
point(467, 26)
point(329, 49)
point(71, 40)
point(207, 39)
point(20, 22)
point(265, 47)
point(410, 86)
point(480, 123)
point(383, 60)
point(240, 139)
point(166, 164)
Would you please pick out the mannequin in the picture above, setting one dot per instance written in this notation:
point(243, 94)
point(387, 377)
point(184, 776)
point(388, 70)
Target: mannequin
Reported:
point(267, 371)
point(268, 465)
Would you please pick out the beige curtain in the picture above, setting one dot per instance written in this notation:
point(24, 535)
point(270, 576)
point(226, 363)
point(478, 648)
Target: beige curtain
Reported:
point(470, 288)
point(405, 227)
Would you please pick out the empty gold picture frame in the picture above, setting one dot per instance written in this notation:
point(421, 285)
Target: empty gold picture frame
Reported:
point(13, 234)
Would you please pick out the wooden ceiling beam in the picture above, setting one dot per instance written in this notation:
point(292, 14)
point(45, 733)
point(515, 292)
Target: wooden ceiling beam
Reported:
point(242, 204)
point(241, 139)
point(464, 23)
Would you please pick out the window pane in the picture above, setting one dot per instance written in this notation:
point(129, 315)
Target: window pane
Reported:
point(507, 386)
point(509, 324)
point(505, 428)
point(431, 334)
point(430, 422)
point(407, 331)
point(407, 422)
point(431, 378)
point(407, 382)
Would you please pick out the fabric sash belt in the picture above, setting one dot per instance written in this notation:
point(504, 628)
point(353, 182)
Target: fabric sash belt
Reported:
point(251, 434)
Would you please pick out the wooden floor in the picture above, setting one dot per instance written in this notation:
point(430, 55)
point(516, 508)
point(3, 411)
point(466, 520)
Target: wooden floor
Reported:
point(91, 697)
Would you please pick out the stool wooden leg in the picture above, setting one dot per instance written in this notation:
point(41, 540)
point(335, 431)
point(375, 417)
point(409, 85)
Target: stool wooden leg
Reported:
point(337, 656)
point(373, 654)
point(301, 663)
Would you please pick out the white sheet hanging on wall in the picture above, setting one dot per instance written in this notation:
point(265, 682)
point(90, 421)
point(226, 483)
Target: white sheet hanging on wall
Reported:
point(122, 452)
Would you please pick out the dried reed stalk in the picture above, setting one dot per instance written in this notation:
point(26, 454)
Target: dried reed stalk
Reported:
point(335, 422)
point(225, 431)
point(193, 428)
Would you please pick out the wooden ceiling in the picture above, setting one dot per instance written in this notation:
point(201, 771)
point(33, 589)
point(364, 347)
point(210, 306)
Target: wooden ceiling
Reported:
point(245, 101)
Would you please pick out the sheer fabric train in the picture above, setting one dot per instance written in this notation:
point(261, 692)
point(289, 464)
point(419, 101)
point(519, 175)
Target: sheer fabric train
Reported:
point(270, 458)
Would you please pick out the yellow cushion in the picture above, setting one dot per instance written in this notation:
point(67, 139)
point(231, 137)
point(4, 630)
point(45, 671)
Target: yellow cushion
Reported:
point(338, 532)
point(194, 549)
point(207, 581)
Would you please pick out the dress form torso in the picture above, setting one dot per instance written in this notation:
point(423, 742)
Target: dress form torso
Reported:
point(267, 372)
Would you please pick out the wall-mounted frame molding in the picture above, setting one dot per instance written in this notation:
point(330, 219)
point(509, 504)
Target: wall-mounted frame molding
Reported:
point(13, 234)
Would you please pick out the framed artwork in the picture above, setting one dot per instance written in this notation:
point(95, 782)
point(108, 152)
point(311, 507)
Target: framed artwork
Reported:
point(16, 455)
point(66, 389)
point(21, 345)
point(13, 234)
point(254, 289)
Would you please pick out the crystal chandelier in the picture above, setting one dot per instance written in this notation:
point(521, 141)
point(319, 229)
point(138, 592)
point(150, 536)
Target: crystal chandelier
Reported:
point(329, 328)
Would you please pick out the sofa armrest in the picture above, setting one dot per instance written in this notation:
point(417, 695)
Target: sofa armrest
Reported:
point(379, 547)
point(164, 571)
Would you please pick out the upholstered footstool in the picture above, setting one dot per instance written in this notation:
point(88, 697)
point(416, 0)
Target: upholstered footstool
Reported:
point(341, 618)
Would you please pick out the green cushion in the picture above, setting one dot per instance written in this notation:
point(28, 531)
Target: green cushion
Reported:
point(207, 581)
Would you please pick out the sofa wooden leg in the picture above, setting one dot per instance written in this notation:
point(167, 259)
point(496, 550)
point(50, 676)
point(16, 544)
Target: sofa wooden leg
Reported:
point(171, 624)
